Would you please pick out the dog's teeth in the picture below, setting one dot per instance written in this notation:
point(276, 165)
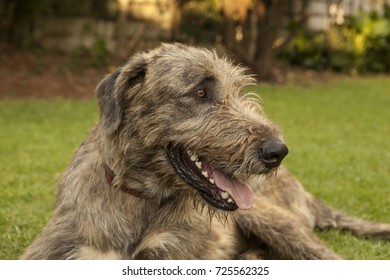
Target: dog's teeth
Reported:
point(198, 164)
point(204, 173)
point(212, 181)
point(189, 152)
point(194, 157)
point(230, 200)
point(225, 195)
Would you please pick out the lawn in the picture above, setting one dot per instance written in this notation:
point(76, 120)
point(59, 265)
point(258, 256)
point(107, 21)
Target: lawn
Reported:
point(37, 139)
point(338, 134)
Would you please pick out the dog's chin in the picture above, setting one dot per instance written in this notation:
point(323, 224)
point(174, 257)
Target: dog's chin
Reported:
point(217, 189)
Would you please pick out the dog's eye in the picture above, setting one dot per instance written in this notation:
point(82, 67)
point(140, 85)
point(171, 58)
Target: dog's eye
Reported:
point(201, 93)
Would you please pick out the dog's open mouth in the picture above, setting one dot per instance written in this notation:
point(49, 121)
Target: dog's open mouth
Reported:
point(212, 184)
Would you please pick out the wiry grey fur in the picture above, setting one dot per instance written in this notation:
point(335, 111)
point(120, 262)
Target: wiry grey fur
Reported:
point(148, 104)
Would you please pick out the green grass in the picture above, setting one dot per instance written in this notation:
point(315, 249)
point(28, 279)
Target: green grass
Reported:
point(338, 134)
point(37, 139)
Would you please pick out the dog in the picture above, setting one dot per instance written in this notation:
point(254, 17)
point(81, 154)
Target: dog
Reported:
point(184, 165)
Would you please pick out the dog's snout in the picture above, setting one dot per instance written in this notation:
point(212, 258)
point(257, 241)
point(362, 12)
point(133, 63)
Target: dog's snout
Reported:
point(272, 152)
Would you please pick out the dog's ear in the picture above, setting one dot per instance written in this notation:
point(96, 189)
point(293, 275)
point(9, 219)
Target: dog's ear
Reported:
point(110, 110)
point(111, 92)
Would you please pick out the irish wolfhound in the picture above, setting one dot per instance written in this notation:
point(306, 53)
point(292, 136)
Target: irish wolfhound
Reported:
point(179, 168)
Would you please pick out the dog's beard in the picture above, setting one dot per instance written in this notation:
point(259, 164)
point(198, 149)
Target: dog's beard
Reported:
point(205, 209)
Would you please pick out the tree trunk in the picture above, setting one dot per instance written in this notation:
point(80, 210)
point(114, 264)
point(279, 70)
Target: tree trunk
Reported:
point(269, 20)
point(229, 37)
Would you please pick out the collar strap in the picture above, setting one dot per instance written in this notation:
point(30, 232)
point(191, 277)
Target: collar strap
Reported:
point(110, 174)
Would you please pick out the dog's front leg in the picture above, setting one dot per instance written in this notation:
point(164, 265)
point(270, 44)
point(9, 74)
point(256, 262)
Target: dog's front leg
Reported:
point(181, 242)
point(283, 234)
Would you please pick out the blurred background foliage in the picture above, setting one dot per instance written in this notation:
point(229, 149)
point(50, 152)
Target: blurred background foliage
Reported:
point(202, 20)
point(257, 33)
point(360, 45)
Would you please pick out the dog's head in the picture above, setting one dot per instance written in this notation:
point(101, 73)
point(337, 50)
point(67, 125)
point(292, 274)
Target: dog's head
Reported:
point(179, 115)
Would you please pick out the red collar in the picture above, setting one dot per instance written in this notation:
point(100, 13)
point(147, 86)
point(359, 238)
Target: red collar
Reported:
point(110, 174)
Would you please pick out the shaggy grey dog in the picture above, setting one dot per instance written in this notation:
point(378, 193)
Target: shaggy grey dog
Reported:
point(182, 166)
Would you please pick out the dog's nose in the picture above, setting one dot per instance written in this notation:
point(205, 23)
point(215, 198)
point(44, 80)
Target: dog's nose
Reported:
point(272, 152)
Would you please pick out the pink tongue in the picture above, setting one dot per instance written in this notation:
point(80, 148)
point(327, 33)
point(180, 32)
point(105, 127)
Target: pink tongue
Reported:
point(240, 192)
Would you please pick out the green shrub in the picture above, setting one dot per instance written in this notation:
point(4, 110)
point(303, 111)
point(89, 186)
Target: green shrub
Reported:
point(360, 45)
point(378, 51)
point(99, 53)
point(355, 46)
point(307, 49)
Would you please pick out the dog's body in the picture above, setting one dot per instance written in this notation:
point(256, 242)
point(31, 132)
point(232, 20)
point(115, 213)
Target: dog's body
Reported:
point(178, 149)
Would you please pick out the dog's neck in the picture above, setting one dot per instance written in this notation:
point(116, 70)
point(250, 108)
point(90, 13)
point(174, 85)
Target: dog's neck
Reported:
point(110, 174)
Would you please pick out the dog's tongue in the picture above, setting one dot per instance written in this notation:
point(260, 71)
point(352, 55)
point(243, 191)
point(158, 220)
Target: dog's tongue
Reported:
point(240, 192)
